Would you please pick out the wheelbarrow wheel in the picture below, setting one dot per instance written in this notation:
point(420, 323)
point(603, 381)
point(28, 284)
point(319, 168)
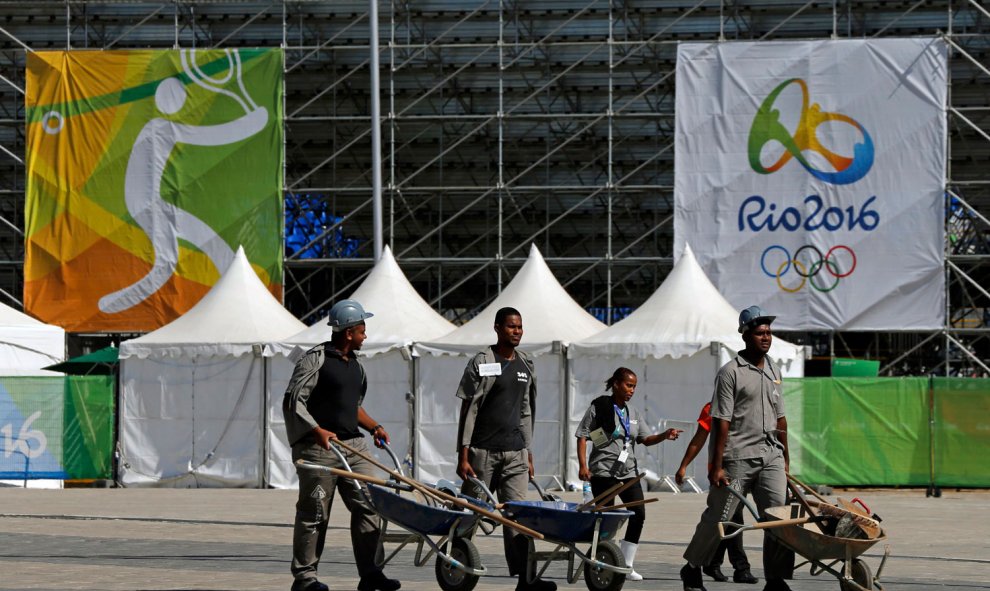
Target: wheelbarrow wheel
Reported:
point(600, 579)
point(452, 579)
point(861, 574)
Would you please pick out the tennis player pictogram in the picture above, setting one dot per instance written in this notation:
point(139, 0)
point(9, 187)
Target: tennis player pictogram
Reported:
point(163, 222)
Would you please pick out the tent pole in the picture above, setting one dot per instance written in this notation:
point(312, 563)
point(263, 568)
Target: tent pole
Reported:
point(265, 422)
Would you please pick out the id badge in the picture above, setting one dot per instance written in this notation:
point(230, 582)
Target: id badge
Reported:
point(489, 369)
point(625, 454)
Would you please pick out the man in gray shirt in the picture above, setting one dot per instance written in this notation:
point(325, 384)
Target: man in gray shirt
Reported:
point(749, 451)
point(495, 430)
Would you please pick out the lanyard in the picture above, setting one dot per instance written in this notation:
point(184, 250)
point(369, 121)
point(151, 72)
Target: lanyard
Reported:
point(624, 419)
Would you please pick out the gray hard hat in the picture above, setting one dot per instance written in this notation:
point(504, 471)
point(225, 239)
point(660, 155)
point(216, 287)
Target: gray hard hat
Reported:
point(753, 316)
point(347, 313)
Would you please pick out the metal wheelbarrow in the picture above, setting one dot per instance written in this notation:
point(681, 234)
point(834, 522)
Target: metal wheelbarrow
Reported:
point(796, 529)
point(563, 525)
point(445, 531)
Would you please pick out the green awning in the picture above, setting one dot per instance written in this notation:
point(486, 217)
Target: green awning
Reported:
point(100, 362)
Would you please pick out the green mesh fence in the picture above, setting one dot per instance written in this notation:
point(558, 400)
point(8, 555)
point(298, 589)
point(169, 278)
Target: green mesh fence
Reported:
point(876, 431)
point(860, 431)
point(56, 427)
point(961, 431)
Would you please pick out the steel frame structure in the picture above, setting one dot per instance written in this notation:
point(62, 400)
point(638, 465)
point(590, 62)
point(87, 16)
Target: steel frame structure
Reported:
point(510, 122)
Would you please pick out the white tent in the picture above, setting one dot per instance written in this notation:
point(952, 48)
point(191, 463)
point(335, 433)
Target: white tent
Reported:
point(193, 392)
point(551, 319)
point(675, 342)
point(401, 316)
point(27, 345)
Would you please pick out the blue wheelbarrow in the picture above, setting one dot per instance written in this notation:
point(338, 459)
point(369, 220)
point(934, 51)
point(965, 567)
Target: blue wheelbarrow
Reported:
point(566, 526)
point(445, 531)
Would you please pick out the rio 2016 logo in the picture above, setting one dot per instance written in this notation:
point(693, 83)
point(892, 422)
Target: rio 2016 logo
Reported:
point(767, 128)
point(807, 265)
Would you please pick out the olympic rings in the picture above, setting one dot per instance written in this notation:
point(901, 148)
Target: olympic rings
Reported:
point(810, 270)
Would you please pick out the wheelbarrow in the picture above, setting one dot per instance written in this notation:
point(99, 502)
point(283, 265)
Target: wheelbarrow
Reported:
point(445, 531)
point(567, 525)
point(798, 529)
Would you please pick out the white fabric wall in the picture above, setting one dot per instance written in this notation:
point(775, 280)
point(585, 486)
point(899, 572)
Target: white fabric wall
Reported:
point(175, 412)
point(389, 379)
point(438, 407)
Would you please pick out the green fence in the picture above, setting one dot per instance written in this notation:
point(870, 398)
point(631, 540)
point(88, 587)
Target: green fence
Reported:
point(889, 431)
point(56, 427)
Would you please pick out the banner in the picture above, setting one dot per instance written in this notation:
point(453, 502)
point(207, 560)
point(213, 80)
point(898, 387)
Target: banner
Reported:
point(146, 170)
point(809, 178)
point(56, 427)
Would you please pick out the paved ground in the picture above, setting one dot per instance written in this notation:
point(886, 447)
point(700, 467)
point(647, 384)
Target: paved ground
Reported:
point(110, 539)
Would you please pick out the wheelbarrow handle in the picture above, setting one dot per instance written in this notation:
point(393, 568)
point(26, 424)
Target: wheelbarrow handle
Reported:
point(741, 527)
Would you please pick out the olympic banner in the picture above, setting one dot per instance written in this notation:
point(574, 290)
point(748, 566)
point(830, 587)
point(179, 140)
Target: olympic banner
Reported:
point(56, 427)
point(809, 178)
point(146, 171)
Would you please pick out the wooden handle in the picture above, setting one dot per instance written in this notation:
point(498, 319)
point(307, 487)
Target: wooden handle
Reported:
point(594, 501)
point(442, 495)
point(608, 495)
point(625, 505)
point(806, 505)
point(807, 488)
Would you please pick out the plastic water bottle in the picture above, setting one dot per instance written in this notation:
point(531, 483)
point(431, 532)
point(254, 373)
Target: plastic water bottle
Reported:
point(586, 492)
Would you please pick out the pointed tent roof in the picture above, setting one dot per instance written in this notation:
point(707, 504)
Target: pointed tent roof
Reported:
point(401, 315)
point(549, 314)
point(682, 317)
point(235, 314)
point(27, 344)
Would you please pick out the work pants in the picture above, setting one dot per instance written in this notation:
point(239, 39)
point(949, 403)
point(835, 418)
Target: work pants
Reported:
point(316, 491)
point(764, 478)
point(734, 546)
point(505, 473)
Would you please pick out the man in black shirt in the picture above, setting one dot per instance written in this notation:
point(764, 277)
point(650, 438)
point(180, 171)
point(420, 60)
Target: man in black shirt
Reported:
point(495, 430)
point(323, 403)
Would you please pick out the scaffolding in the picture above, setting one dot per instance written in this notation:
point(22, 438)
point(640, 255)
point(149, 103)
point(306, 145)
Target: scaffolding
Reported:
point(510, 122)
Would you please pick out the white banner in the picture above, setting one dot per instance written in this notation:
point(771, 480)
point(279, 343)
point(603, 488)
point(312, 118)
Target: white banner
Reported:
point(809, 178)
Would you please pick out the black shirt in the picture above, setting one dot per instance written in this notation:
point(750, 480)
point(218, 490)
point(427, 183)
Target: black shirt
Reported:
point(497, 426)
point(339, 390)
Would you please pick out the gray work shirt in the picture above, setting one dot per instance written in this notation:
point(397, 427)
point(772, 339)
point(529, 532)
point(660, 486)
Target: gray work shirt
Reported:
point(605, 459)
point(749, 398)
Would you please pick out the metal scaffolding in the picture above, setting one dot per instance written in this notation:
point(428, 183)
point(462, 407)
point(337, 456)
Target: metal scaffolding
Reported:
point(510, 122)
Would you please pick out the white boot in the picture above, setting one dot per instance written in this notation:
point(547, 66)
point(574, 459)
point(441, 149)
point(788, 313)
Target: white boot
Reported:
point(629, 554)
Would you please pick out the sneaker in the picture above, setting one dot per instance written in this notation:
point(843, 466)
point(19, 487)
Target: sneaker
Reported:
point(537, 585)
point(378, 582)
point(744, 576)
point(691, 577)
point(715, 572)
point(308, 585)
point(776, 585)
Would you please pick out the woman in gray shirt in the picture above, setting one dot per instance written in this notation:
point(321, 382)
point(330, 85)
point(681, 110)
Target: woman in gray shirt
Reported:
point(614, 429)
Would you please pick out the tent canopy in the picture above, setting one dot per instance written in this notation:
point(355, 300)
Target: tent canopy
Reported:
point(99, 362)
point(27, 344)
point(549, 314)
point(683, 316)
point(237, 313)
point(401, 315)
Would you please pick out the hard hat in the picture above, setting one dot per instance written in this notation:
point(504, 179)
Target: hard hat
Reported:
point(753, 316)
point(347, 313)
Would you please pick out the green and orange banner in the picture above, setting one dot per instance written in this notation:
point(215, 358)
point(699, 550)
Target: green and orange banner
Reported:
point(146, 170)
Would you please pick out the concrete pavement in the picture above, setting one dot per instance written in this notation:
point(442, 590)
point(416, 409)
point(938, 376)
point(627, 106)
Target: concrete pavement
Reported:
point(216, 539)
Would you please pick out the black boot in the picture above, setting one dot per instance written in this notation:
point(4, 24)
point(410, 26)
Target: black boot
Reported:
point(378, 582)
point(776, 585)
point(744, 576)
point(715, 572)
point(691, 577)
